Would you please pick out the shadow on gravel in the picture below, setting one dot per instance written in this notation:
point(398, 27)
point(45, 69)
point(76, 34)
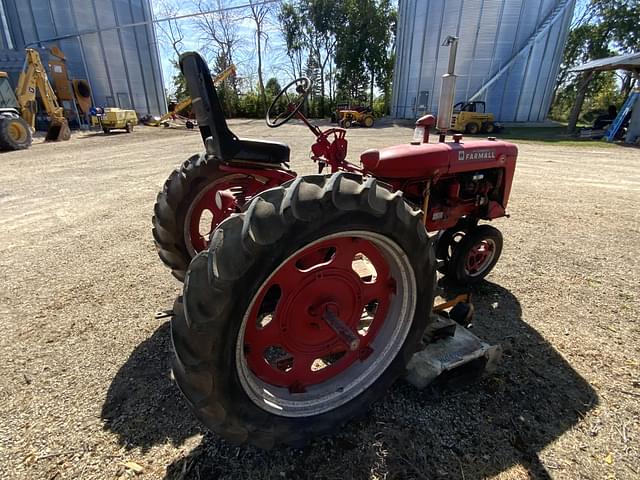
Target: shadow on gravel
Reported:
point(470, 431)
point(113, 134)
point(143, 406)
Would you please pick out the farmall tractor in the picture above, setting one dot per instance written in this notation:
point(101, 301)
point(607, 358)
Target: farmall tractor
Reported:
point(305, 297)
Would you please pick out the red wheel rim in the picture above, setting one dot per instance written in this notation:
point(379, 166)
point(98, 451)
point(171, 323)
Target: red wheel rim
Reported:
point(480, 257)
point(287, 341)
point(221, 198)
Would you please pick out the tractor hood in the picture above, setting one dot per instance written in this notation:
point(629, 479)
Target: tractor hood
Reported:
point(434, 159)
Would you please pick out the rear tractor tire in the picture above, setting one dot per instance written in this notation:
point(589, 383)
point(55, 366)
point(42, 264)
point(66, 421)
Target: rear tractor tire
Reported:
point(15, 134)
point(306, 308)
point(368, 121)
point(195, 198)
point(475, 255)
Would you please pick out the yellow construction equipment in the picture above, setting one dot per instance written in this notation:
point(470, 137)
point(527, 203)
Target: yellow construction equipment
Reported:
point(163, 120)
point(76, 91)
point(360, 116)
point(471, 117)
point(32, 79)
point(117, 118)
point(15, 133)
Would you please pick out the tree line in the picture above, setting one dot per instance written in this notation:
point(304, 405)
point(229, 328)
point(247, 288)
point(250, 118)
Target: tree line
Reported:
point(346, 47)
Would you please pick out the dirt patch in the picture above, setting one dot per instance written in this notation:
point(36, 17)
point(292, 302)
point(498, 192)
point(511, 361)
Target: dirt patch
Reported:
point(85, 383)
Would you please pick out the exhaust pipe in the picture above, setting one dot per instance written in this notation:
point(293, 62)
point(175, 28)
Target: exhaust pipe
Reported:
point(448, 90)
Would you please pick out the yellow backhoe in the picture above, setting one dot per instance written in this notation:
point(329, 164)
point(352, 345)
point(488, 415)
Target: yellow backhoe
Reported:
point(163, 120)
point(32, 79)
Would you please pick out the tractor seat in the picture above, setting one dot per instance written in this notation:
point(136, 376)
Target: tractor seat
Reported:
point(219, 140)
point(249, 150)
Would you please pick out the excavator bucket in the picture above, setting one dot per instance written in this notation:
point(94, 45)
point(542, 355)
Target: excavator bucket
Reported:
point(58, 131)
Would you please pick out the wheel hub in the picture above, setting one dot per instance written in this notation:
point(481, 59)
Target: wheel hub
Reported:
point(317, 323)
point(303, 315)
point(480, 257)
point(17, 132)
point(355, 294)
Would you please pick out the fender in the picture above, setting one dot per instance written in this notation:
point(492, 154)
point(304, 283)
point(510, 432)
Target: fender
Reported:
point(270, 176)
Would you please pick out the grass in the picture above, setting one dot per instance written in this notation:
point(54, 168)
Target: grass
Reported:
point(557, 135)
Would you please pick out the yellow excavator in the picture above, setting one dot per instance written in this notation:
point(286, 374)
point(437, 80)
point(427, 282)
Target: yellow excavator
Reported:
point(18, 110)
point(163, 120)
point(34, 78)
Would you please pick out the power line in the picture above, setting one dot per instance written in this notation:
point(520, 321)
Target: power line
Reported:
point(152, 21)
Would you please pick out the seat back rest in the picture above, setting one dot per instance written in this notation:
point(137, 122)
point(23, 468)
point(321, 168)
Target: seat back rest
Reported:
point(207, 108)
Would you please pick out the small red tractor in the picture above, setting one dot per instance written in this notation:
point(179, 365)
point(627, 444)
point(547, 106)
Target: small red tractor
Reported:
point(306, 296)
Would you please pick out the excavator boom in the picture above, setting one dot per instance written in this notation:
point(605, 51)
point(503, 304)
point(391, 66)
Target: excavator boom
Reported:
point(221, 77)
point(32, 79)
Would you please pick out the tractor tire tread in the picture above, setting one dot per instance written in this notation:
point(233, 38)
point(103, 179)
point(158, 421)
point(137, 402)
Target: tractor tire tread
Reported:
point(455, 268)
point(215, 290)
point(6, 142)
point(167, 233)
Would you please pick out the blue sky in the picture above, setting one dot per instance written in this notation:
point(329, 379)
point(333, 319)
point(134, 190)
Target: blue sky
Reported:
point(274, 58)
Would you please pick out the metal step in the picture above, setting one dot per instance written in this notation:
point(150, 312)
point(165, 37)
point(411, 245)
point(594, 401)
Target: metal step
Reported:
point(451, 351)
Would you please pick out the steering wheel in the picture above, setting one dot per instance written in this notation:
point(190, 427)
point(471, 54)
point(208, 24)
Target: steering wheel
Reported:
point(280, 112)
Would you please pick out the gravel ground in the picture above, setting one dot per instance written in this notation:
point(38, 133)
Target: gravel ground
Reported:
point(85, 384)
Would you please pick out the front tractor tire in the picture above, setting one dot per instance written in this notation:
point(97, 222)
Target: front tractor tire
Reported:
point(305, 309)
point(474, 255)
point(195, 198)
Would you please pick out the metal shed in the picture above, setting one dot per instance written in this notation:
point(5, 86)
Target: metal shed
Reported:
point(508, 54)
point(122, 65)
point(629, 61)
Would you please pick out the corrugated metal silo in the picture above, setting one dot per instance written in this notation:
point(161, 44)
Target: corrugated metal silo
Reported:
point(508, 55)
point(121, 64)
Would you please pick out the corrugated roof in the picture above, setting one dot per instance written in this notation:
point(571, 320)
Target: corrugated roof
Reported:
point(630, 61)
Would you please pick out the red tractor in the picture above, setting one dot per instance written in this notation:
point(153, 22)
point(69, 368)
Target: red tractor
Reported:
point(305, 296)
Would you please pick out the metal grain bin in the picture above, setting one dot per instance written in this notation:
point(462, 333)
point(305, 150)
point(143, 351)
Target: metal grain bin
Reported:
point(508, 55)
point(121, 64)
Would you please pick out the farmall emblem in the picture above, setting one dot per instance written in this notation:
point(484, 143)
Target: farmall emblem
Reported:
point(477, 155)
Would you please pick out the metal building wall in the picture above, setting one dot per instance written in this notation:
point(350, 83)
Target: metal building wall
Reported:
point(122, 65)
point(509, 53)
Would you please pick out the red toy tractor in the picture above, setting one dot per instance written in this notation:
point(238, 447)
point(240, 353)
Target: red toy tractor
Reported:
point(306, 296)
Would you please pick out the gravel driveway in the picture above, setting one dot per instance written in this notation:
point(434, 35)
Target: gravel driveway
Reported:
point(85, 384)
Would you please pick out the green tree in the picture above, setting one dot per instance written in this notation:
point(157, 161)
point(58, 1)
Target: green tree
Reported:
point(364, 53)
point(180, 91)
point(354, 36)
point(309, 26)
point(227, 91)
point(605, 28)
point(272, 87)
point(259, 13)
point(290, 21)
